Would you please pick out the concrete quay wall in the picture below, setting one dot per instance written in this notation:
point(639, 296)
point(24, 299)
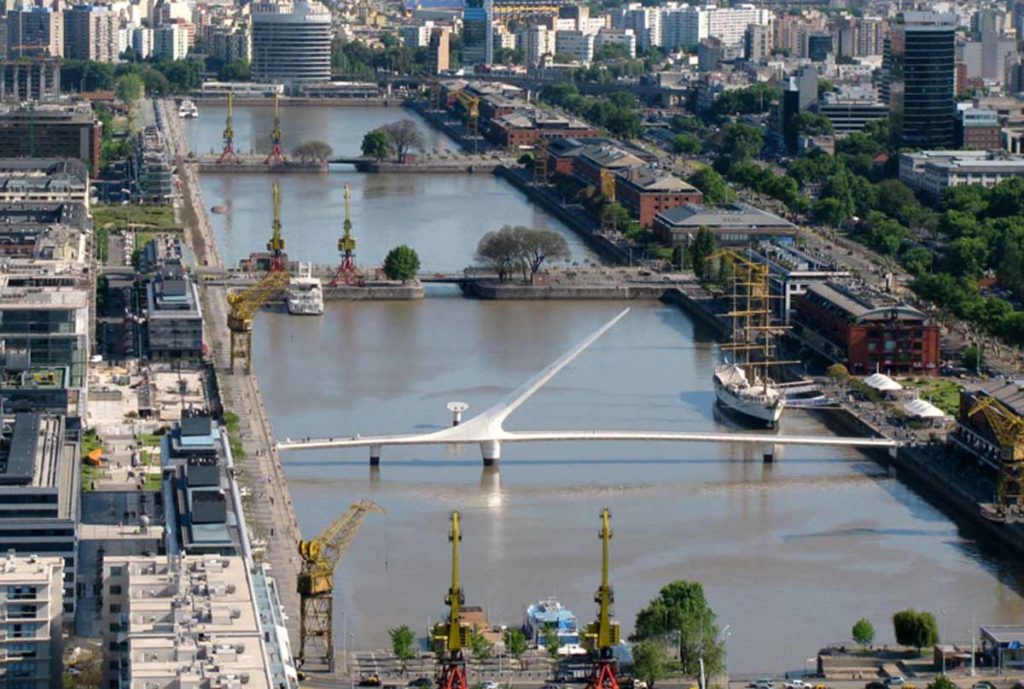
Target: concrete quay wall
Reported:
point(497, 291)
point(257, 166)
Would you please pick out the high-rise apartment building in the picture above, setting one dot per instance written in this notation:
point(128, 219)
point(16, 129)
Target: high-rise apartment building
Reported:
point(170, 42)
point(757, 43)
point(918, 79)
point(90, 33)
point(31, 603)
point(35, 32)
point(291, 42)
point(576, 43)
point(536, 42)
point(477, 33)
point(686, 27)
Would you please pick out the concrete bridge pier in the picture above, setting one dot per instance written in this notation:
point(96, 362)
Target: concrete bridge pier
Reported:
point(771, 452)
point(491, 450)
point(375, 455)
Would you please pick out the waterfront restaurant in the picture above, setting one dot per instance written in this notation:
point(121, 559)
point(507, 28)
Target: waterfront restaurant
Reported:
point(1002, 645)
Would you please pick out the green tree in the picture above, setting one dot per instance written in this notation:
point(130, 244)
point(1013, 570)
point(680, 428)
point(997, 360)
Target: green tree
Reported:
point(515, 643)
point(479, 645)
point(831, 212)
point(809, 123)
point(685, 144)
point(538, 246)
point(315, 151)
point(741, 141)
point(917, 629)
point(840, 373)
point(377, 145)
point(236, 70)
point(894, 197)
point(650, 661)
point(942, 682)
point(863, 632)
point(704, 244)
point(713, 186)
point(129, 88)
point(973, 360)
point(501, 251)
point(401, 263)
point(405, 136)
point(403, 642)
point(550, 640)
point(681, 608)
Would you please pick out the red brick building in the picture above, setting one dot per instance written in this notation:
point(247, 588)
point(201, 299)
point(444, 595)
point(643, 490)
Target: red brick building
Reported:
point(594, 160)
point(646, 192)
point(523, 128)
point(866, 332)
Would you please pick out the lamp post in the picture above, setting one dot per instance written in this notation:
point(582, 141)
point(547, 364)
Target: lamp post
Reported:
point(942, 647)
point(725, 642)
point(352, 653)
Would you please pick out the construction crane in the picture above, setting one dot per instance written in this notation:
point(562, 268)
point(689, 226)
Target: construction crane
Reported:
point(320, 557)
point(228, 155)
point(346, 273)
point(451, 636)
point(1008, 428)
point(276, 155)
point(603, 635)
point(245, 303)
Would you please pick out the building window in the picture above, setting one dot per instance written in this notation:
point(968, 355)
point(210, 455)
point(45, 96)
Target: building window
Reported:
point(115, 590)
point(115, 608)
point(117, 571)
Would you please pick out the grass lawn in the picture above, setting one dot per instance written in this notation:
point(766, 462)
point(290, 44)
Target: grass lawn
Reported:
point(150, 439)
point(90, 442)
point(118, 217)
point(943, 393)
point(231, 422)
point(90, 474)
point(153, 481)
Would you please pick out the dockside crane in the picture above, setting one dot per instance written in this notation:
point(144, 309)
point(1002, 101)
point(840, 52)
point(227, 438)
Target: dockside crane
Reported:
point(228, 155)
point(1008, 429)
point(245, 303)
point(451, 636)
point(347, 273)
point(276, 155)
point(320, 557)
point(603, 634)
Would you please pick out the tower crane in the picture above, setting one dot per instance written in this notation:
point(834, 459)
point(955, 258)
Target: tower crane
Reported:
point(603, 634)
point(228, 155)
point(1008, 428)
point(451, 636)
point(245, 303)
point(346, 273)
point(320, 557)
point(276, 155)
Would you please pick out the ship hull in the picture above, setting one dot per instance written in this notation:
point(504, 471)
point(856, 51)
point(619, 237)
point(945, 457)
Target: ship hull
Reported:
point(749, 408)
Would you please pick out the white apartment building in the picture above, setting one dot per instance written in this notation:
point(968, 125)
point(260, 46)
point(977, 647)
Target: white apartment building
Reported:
point(503, 38)
point(624, 37)
point(645, 22)
point(182, 621)
point(932, 172)
point(31, 604)
point(416, 36)
point(575, 43)
point(687, 26)
point(170, 42)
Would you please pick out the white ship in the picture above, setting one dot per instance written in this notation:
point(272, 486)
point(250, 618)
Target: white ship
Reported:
point(759, 399)
point(305, 294)
point(188, 109)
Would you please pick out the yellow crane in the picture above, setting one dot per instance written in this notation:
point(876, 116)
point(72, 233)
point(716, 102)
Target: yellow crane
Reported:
point(603, 634)
point(320, 557)
point(244, 304)
point(228, 154)
point(1008, 429)
point(471, 104)
point(452, 635)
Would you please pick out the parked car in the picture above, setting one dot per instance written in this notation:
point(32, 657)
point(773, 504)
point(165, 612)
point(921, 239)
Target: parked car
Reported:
point(874, 685)
point(798, 684)
point(491, 685)
point(984, 685)
point(421, 683)
point(896, 681)
point(760, 683)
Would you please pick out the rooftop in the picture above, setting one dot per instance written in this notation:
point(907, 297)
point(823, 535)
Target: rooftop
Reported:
point(647, 179)
point(734, 216)
point(862, 303)
point(16, 569)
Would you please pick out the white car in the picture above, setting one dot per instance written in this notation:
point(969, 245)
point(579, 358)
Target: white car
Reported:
point(491, 685)
point(798, 684)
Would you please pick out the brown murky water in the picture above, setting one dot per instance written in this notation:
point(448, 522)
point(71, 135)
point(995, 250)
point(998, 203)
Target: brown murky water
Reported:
point(790, 555)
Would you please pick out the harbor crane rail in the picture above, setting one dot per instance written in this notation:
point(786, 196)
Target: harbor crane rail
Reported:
point(1008, 429)
point(452, 636)
point(320, 557)
point(244, 304)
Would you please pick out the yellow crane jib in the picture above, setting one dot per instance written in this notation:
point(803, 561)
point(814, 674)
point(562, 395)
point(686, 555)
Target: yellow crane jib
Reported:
point(320, 557)
point(453, 635)
point(276, 243)
point(1008, 428)
point(347, 243)
point(603, 634)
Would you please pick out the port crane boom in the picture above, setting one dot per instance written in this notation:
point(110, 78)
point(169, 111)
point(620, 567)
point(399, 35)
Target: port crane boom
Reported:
point(1008, 429)
point(451, 636)
point(320, 557)
point(603, 634)
point(276, 155)
point(228, 155)
point(245, 303)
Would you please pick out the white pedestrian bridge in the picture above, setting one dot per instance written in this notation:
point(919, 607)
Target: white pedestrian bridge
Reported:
point(487, 429)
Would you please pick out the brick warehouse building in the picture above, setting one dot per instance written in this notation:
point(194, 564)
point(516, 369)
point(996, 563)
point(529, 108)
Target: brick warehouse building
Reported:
point(866, 331)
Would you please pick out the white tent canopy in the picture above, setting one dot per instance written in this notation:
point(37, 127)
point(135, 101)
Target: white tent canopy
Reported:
point(923, 409)
point(882, 383)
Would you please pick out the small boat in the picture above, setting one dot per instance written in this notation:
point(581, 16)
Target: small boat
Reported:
point(759, 398)
point(550, 613)
point(188, 109)
point(220, 210)
point(305, 293)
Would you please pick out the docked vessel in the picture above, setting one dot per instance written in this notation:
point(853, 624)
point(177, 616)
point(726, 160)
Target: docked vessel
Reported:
point(188, 109)
point(305, 294)
point(550, 614)
point(759, 398)
point(744, 384)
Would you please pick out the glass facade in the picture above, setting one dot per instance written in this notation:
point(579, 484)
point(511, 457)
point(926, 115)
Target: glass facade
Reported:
point(477, 35)
point(918, 80)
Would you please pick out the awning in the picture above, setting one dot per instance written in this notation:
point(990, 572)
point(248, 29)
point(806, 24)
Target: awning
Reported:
point(922, 409)
point(882, 383)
